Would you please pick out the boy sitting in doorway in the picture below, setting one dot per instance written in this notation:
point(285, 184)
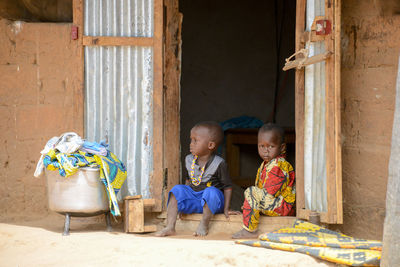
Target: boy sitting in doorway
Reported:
point(207, 178)
point(274, 190)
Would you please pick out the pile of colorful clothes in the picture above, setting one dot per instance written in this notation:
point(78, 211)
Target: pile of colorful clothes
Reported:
point(69, 152)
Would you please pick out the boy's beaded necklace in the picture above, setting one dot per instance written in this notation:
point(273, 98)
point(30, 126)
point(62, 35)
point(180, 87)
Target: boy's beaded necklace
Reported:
point(196, 181)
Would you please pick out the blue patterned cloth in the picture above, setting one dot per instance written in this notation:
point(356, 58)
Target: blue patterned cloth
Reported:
point(241, 122)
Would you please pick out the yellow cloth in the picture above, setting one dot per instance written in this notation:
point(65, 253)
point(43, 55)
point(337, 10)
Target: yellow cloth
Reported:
point(311, 239)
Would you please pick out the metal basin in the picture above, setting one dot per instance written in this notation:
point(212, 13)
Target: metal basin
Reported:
point(81, 194)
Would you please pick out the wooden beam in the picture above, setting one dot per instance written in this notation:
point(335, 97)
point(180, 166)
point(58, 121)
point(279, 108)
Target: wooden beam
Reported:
point(239, 218)
point(172, 75)
point(79, 92)
point(299, 109)
point(157, 178)
point(338, 142)
point(150, 228)
point(16, 10)
point(333, 144)
point(77, 14)
point(149, 204)
point(330, 128)
point(136, 216)
point(308, 61)
point(117, 41)
point(133, 197)
point(135, 208)
point(126, 216)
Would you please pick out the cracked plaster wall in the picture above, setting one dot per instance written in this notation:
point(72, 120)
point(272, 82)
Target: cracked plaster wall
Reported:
point(370, 50)
point(40, 97)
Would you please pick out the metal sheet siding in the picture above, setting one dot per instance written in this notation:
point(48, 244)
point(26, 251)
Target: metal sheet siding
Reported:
point(119, 87)
point(125, 18)
point(315, 185)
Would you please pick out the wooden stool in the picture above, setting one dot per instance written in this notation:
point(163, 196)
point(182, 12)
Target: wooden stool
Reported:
point(135, 207)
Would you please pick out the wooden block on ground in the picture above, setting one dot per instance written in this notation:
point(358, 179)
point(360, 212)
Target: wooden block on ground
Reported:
point(135, 207)
point(149, 203)
point(150, 228)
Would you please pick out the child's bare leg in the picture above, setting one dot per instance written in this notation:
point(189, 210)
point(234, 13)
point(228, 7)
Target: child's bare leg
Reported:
point(245, 234)
point(172, 211)
point(202, 229)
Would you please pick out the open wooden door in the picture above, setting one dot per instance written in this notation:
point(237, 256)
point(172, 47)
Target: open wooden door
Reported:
point(122, 68)
point(318, 146)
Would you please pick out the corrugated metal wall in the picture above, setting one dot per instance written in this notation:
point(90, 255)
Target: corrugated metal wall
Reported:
point(127, 18)
point(314, 123)
point(119, 86)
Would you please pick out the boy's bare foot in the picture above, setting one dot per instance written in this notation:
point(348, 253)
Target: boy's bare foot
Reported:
point(245, 234)
point(165, 232)
point(172, 211)
point(202, 229)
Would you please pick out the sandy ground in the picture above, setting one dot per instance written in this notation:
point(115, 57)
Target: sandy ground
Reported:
point(40, 243)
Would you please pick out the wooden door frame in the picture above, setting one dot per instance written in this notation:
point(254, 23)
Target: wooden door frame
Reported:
point(172, 41)
point(334, 212)
point(172, 73)
point(299, 110)
point(157, 175)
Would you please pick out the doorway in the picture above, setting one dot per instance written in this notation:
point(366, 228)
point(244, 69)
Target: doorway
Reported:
point(232, 58)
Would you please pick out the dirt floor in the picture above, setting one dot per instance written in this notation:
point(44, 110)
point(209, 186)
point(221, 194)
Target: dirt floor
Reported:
point(40, 243)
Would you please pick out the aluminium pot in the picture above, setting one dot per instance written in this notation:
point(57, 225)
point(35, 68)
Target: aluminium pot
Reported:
point(81, 194)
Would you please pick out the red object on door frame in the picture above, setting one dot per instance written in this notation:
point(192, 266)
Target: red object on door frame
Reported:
point(324, 27)
point(74, 32)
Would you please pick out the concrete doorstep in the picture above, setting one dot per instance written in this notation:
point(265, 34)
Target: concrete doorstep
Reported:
point(219, 224)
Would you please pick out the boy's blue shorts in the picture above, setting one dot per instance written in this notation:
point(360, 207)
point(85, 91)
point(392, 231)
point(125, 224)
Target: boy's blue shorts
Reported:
point(190, 201)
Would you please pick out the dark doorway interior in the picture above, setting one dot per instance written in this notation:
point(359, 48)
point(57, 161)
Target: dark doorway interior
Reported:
point(232, 58)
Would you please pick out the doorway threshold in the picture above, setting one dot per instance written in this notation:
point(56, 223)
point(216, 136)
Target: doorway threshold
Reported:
point(219, 224)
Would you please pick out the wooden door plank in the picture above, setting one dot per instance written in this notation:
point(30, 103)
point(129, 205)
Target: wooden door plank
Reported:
point(333, 145)
point(148, 203)
point(330, 124)
point(338, 143)
point(299, 109)
point(150, 228)
point(133, 197)
point(117, 41)
point(136, 216)
point(77, 14)
point(333, 150)
point(172, 74)
point(126, 216)
point(157, 177)
point(79, 101)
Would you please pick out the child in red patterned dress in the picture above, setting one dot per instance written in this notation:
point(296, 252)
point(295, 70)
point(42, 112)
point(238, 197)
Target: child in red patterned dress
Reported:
point(274, 190)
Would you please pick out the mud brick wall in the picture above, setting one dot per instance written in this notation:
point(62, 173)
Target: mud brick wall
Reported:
point(40, 97)
point(370, 51)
